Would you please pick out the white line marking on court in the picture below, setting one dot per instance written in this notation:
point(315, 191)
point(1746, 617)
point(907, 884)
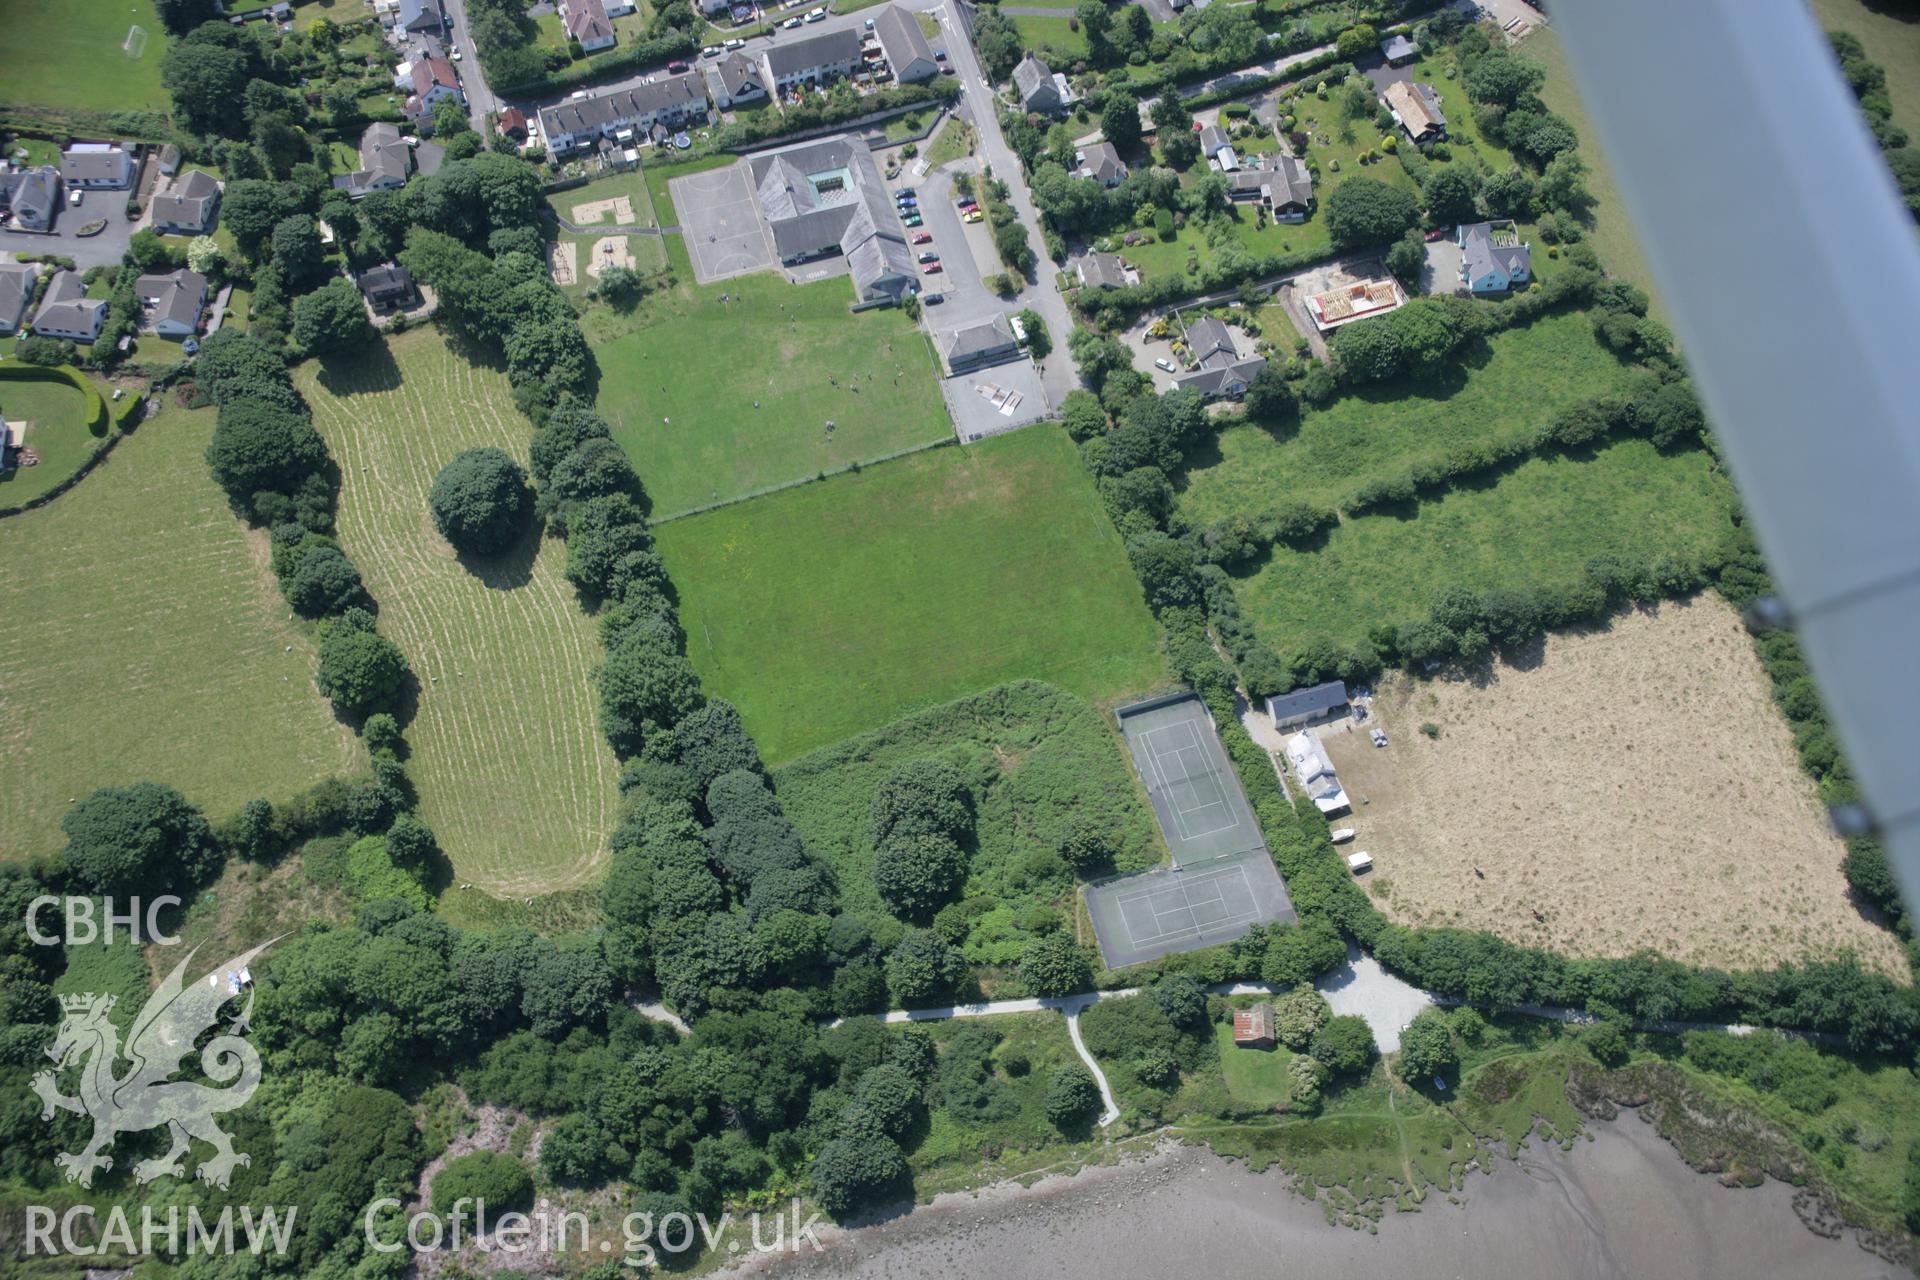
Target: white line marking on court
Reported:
point(1193, 926)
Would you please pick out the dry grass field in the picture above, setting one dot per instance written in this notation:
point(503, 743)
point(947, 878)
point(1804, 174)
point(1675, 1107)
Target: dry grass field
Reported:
point(513, 775)
point(1637, 788)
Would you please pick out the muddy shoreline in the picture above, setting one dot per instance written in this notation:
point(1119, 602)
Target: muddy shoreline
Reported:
point(1621, 1205)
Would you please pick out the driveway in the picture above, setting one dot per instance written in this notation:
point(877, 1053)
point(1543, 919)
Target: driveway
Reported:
point(1362, 988)
point(105, 249)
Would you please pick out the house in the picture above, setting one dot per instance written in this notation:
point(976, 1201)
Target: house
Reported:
point(1315, 772)
point(1042, 91)
point(979, 345)
point(387, 160)
point(907, 50)
point(388, 287)
point(173, 301)
point(825, 197)
point(17, 281)
point(1101, 163)
point(1493, 258)
point(189, 206)
point(1217, 150)
point(1253, 1028)
point(67, 312)
point(587, 22)
point(1223, 374)
point(95, 165)
point(580, 122)
point(1286, 189)
point(431, 80)
point(735, 81)
point(512, 123)
point(1101, 271)
point(1417, 108)
point(418, 17)
point(831, 55)
point(30, 197)
point(1398, 50)
point(169, 160)
point(1317, 705)
point(619, 8)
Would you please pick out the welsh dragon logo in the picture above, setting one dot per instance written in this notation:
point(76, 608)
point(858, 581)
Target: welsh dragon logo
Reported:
point(147, 1097)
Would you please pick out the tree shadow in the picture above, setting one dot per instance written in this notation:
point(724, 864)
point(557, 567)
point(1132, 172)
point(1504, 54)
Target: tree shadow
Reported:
point(372, 370)
point(512, 568)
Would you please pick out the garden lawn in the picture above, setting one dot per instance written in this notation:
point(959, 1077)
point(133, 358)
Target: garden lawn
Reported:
point(1255, 1077)
point(68, 57)
point(839, 607)
point(1039, 762)
point(1538, 525)
point(717, 400)
point(514, 777)
point(1046, 36)
point(55, 415)
point(1521, 378)
point(142, 638)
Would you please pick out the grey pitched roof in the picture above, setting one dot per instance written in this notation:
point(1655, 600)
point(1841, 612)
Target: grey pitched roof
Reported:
point(1033, 81)
point(1292, 182)
point(189, 201)
point(418, 14)
point(680, 94)
point(1318, 700)
point(1417, 106)
point(90, 162)
point(1103, 271)
point(65, 304)
point(384, 153)
point(1397, 46)
point(732, 73)
point(586, 20)
point(877, 258)
point(16, 289)
point(805, 219)
point(1212, 138)
point(388, 277)
point(1101, 161)
point(827, 49)
point(1219, 378)
point(1483, 255)
point(979, 339)
point(1210, 341)
point(900, 38)
point(176, 295)
point(32, 194)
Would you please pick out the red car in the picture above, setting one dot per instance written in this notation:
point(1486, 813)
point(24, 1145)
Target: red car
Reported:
point(930, 268)
point(923, 237)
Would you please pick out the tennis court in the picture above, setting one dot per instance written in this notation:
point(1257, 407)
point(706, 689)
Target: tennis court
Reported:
point(1222, 880)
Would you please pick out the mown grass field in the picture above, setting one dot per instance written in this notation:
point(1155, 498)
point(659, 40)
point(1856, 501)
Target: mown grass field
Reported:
point(838, 607)
point(1892, 40)
point(1039, 761)
point(514, 777)
point(142, 637)
point(68, 57)
point(1513, 385)
point(1537, 525)
point(715, 399)
point(55, 415)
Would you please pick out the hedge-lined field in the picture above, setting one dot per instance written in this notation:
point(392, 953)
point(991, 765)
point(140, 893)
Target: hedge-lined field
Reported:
point(142, 638)
point(513, 775)
point(1039, 762)
point(68, 57)
point(1510, 388)
point(1536, 526)
point(58, 429)
point(838, 607)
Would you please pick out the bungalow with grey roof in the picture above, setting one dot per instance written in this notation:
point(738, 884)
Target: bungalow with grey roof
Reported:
point(17, 281)
point(1101, 271)
point(387, 160)
point(30, 197)
point(96, 165)
point(1102, 163)
point(907, 50)
point(189, 206)
point(388, 287)
point(1222, 373)
point(1042, 90)
point(1317, 705)
point(1286, 189)
point(978, 345)
point(1493, 257)
point(173, 301)
point(67, 312)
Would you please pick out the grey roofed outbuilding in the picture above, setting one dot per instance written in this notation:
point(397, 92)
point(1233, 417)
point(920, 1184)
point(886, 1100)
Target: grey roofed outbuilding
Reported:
point(827, 49)
point(1037, 86)
point(1212, 138)
point(188, 202)
point(1483, 255)
point(1288, 709)
point(901, 40)
point(1397, 47)
point(979, 344)
point(17, 280)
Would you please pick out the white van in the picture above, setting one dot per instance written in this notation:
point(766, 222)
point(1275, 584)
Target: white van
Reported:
point(1359, 862)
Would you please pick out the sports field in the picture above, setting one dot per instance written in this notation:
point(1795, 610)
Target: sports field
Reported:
point(1513, 386)
point(68, 57)
point(142, 637)
point(514, 777)
point(1538, 524)
point(838, 607)
point(718, 391)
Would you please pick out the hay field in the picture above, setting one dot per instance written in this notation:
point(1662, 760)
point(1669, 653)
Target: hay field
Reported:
point(514, 777)
point(1638, 789)
point(142, 638)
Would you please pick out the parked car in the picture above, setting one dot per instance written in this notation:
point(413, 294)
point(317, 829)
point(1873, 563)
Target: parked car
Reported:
point(75, 197)
point(905, 191)
point(929, 256)
point(712, 51)
point(912, 219)
point(965, 202)
point(456, 55)
point(1164, 365)
point(736, 44)
point(939, 55)
point(907, 202)
point(933, 299)
point(973, 215)
point(923, 237)
point(676, 66)
point(790, 24)
point(930, 268)
point(869, 24)
point(817, 15)
point(1359, 862)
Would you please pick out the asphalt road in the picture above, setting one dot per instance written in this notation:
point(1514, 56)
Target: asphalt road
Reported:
point(481, 102)
point(104, 249)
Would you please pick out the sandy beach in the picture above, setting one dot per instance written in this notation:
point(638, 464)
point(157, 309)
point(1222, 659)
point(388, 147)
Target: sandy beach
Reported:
point(1622, 1205)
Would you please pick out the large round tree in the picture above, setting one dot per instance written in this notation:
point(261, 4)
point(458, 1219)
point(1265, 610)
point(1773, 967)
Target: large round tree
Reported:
point(480, 500)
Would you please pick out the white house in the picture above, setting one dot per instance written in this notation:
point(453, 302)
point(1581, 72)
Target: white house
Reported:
point(93, 165)
point(830, 55)
point(587, 22)
point(189, 206)
point(1493, 258)
point(580, 122)
point(174, 301)
point(734, 81)
point(1315, 772)
point(431, 80)
point(67, 312)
